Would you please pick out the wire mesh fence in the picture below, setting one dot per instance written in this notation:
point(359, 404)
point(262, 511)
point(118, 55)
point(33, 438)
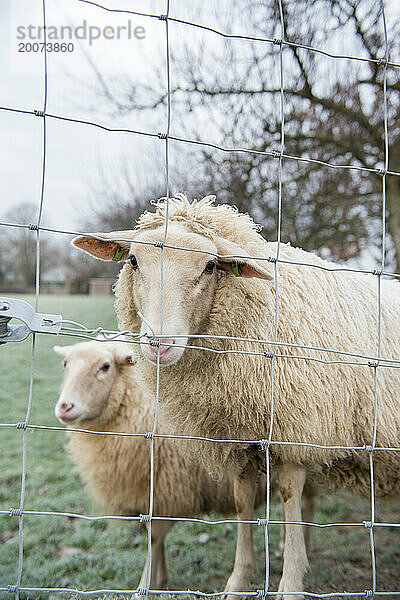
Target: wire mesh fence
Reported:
point(67, 328)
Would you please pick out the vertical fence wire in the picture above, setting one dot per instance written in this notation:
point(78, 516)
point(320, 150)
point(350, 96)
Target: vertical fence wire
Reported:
point(167, 185)
point(33, 351)
point(379, 304)
point(276, 315)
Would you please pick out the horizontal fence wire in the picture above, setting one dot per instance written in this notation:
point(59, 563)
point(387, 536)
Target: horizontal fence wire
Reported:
point(75, 329)
point(260, 522)
point(149, 435)
point(128, 337)
point(278, 41)
point(268, 153)
point(271, 259)
point(256, 594)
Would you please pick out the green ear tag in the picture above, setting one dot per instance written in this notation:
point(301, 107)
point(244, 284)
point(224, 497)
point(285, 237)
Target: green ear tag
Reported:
point(118, 253)
point(236, 269)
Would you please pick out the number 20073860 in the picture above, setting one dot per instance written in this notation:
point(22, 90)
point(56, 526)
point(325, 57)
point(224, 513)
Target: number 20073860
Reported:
point(42, 47)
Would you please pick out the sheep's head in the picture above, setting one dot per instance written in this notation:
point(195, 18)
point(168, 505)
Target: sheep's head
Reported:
point(188, 280)
point(91, 369)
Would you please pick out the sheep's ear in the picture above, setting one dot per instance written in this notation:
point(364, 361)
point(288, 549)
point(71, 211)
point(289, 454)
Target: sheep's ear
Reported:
point(240, 266)
point(106, 249)
point(61, 350)
point(123, 356)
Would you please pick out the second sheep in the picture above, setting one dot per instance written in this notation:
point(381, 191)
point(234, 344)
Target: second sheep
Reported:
point(100, 393)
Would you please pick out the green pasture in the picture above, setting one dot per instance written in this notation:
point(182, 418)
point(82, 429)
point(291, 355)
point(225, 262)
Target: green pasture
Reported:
point(63, 552)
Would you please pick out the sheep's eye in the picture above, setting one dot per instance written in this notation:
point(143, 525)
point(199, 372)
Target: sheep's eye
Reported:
point(133, 261)
point(105, 367)
point(65, 362)
point(210, 266)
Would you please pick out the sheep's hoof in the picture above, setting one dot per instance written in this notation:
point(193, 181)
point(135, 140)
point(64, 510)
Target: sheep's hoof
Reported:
point(282, 596)
point(235, 585)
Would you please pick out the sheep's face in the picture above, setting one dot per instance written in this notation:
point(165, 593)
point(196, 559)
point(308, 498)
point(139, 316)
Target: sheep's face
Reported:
point(182, 282)
point(90, 372)
point(184, 287)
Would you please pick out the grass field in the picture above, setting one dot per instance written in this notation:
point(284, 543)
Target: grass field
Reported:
point(59, 552)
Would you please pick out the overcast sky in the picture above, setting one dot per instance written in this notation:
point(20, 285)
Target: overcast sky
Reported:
point(76, 153)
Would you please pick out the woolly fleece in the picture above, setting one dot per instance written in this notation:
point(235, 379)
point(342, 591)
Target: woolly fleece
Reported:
point(228, 396)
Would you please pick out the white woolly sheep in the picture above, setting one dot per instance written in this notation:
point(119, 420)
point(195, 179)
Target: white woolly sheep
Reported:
point(226, 394)
point(100, 392)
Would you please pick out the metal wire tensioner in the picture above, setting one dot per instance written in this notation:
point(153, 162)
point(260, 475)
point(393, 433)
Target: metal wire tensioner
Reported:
point(368, 524)
point(144, 518)
point(142, 591)
point(12, 589)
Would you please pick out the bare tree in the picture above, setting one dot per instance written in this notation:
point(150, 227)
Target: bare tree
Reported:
point(118, 200)
point(115, 204)
point(18, 248)
point(334, 112)
point(336, 117)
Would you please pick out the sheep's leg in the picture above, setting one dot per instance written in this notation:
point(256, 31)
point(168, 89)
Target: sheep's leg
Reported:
point(309, 508)
point(295, 563)
point(245, 564)
point(159, 575)
point(310, 505)
point(279, 552)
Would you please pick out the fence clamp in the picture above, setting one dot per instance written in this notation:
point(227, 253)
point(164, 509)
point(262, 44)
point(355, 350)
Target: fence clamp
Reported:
point(32, 322)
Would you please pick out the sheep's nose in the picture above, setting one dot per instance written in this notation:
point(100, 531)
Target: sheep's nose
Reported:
point(66, 412)
point(165, 345)
point(166, 350)
point(65, 407)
